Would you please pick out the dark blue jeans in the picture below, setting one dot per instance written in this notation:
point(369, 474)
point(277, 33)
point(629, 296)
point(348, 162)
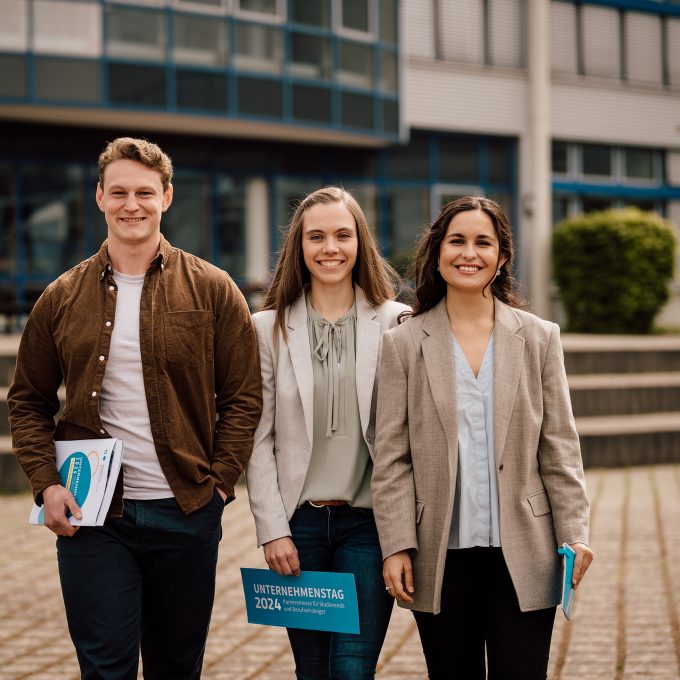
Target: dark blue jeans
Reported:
point(342, 539)
point(145, 580)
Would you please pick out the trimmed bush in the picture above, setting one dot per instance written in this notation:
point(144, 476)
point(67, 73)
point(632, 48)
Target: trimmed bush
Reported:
point(613, 269)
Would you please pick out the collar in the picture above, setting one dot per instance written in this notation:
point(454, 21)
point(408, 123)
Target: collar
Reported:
point(159, 262)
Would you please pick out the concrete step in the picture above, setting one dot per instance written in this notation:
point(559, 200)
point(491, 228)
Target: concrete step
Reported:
point(612, 441)
point(609, 394)
point(588, 354)
point(12, 477)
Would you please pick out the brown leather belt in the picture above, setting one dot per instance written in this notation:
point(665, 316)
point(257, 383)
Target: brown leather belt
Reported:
point(324, 504)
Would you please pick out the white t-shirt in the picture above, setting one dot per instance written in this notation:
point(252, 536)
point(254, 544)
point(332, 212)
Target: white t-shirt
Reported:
point(122, 407)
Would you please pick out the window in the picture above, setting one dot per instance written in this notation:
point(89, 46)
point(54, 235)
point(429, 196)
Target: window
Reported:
point(136, 34)
point(53, 217)
point(506, 28)
point(559, 157)
point(500, 161)
point(311, 103)
point(231, 205)
point(355, 15)
point(259, 97)
point(390, 116)
point(201, 90)
point(461, 31)
point(596, 160)
point(560, 208)
point(389, 78)
point(13, 81)
point(200, 41)
point(205, 5)
point(8, 210)
point(14, 25)
point(601, 41)
point(563, 41)
point(458, 160)
point(357, 110)
point(70, 28)
point(411, 160)
point(388, 21)
point(643, 48)
point(310, 56)
point(355, 64)
point(673, 47)
point(639, 164)
point(260, 6)
point(595, 204)
point(67, 80)
point(258, 48)
point(137, 85)
point(408, 211)
point(310, 13)
point(187, 225)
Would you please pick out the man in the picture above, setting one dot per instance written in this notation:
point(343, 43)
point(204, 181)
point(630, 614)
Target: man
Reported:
point(151, 343)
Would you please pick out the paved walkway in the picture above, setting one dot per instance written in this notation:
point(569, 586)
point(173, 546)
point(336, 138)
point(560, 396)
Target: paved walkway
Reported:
point(625, 624)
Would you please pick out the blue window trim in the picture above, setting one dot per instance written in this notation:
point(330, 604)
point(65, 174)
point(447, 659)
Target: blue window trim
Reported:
point(229, 21)
point(658, 192)
point(647, 6)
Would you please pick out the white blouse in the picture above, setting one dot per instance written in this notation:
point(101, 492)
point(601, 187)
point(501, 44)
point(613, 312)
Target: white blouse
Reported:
point(475, 508)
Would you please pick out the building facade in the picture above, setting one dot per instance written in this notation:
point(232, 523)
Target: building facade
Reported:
point(551, 107)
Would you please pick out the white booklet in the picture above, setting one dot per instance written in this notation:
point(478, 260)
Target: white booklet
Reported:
point(89, 469)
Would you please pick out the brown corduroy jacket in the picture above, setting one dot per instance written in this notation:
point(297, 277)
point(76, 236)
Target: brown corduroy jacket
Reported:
point(200, 362)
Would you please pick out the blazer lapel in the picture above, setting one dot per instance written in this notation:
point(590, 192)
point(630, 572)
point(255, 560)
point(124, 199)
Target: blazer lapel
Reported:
point(367, 345)
point(301, 358)
point(508, 353)
point(438, 357)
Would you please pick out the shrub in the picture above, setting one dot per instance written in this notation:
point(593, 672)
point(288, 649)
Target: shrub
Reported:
point(613, 269)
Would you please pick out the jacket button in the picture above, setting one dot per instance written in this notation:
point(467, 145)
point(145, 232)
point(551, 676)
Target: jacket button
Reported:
point(500, 468)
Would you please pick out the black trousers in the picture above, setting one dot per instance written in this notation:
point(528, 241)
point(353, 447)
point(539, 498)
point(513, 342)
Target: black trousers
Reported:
point(479, 613)
point(142, 581)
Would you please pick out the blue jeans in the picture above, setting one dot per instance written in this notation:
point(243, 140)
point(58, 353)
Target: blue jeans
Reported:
point(342, 539)
point(145, 580)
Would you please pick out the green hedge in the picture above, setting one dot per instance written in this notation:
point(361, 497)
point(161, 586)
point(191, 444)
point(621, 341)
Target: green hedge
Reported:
point(613, 269)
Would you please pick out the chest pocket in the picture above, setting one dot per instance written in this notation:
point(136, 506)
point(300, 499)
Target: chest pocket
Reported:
point(189, 337)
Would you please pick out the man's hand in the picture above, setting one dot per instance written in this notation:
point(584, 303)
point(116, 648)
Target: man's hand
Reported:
point(398, 576)
point(57, 502)
point(282, 556)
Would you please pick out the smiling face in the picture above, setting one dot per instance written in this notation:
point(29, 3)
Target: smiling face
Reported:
point(329, 243)
point(469, 253)
point(133, 201)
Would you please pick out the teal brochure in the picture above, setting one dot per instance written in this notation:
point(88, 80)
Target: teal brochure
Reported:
point(315, 600)
point(568, 555)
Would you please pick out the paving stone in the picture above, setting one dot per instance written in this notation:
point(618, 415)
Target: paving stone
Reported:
point(635, 517)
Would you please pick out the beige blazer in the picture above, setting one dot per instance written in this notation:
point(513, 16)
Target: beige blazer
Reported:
point(541, 488)
point(283, 440)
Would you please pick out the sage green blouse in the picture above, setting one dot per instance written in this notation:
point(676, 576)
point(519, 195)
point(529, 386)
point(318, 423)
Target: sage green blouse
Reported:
point(340, 467)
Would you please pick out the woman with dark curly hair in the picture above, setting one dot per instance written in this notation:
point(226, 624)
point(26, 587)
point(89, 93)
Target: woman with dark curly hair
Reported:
point(478, 476)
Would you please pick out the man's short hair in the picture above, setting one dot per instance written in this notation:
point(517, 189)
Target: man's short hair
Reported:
point(140, 150)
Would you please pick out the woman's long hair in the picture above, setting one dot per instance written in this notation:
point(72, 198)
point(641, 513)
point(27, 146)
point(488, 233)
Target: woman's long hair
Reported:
point(431, 287)
point(371, 272)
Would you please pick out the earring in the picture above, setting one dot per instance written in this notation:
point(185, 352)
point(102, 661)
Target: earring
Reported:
point(498, 272)
point(437, 267)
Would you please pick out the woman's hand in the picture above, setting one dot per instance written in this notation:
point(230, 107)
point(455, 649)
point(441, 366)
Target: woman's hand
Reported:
point(398, 576)
point(282, 556)
point(584, 556)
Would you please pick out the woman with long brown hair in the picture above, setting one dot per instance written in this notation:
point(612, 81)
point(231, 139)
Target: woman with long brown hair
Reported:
point(478, 476)
point(309, 476)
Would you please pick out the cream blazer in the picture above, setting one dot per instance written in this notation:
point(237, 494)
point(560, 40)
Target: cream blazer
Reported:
point(541, 487)
point(283, 440)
